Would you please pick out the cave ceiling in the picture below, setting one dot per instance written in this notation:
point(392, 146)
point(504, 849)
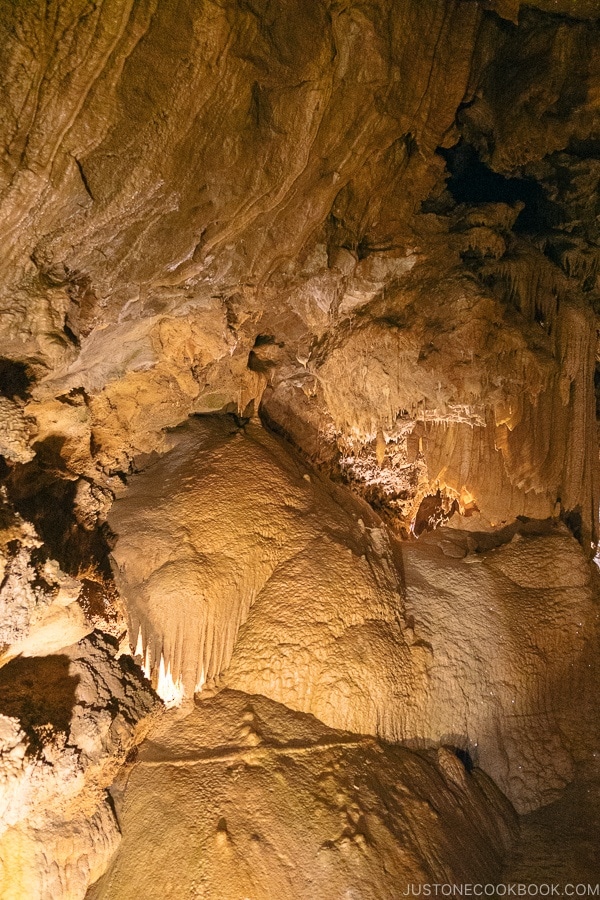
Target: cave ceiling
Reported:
point(219, 205)
point(299, 309)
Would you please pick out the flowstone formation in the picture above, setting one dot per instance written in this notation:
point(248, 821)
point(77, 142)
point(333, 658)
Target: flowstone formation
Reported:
point(239, 568)
point(298, 444)
point(259, 801)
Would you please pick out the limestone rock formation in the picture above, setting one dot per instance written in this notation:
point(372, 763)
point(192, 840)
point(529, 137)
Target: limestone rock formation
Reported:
point(39, 612)
point(372, 229)
point(297, 599)
point(221, 519)
point(319, 247)
point(260, 802)
point(67, 722)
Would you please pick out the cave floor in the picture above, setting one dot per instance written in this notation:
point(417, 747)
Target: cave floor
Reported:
point(243, 798)
point(161, 794)
point(560, 843)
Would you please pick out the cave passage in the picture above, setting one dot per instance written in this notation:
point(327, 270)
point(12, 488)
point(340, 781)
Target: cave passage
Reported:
point(471, 181)
point(299, 469)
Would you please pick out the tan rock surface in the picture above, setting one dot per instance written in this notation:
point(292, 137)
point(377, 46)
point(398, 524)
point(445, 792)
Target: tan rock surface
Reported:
point(66, 724)
point(559, 843)
point(142, 277)
point(374, 225)
point(204, 547)
point(521, 621)
point(302, 601)
point(260, 802)
point(39, 612)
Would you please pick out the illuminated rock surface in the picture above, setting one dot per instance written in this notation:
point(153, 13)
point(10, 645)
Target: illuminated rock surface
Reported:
point(261, 802)
point(371, 229)
point(303, 601)
point(66, 724)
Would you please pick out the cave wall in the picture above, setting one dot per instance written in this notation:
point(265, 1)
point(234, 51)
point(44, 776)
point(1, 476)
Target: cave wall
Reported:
point(371, 228)
point(270, 205)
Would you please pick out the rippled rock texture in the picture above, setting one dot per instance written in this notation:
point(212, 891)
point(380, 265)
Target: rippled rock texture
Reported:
point(239, 567)
point(370, 228)
point(259, 801)
point(202, 201)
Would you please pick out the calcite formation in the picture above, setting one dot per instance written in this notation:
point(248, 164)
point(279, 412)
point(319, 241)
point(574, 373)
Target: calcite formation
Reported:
point(311, 603)
point(298, 415)
point(259, 801)
point(67, 722)
point(38, 602)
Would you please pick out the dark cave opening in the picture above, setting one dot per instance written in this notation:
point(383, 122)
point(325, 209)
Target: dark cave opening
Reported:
point(44, 493)
point(471, 181)
point(434, 510)
point(15, 379)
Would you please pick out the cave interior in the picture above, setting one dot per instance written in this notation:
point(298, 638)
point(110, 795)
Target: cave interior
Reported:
point(299, 487)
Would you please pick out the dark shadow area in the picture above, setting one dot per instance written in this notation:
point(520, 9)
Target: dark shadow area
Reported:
point(472, 181)
point(574, 523)
point(15, 379)
point(44, 494)
point(465, 758)
point(41, 693)
point(265, 354)
point(588, 148)
point(432, 513)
